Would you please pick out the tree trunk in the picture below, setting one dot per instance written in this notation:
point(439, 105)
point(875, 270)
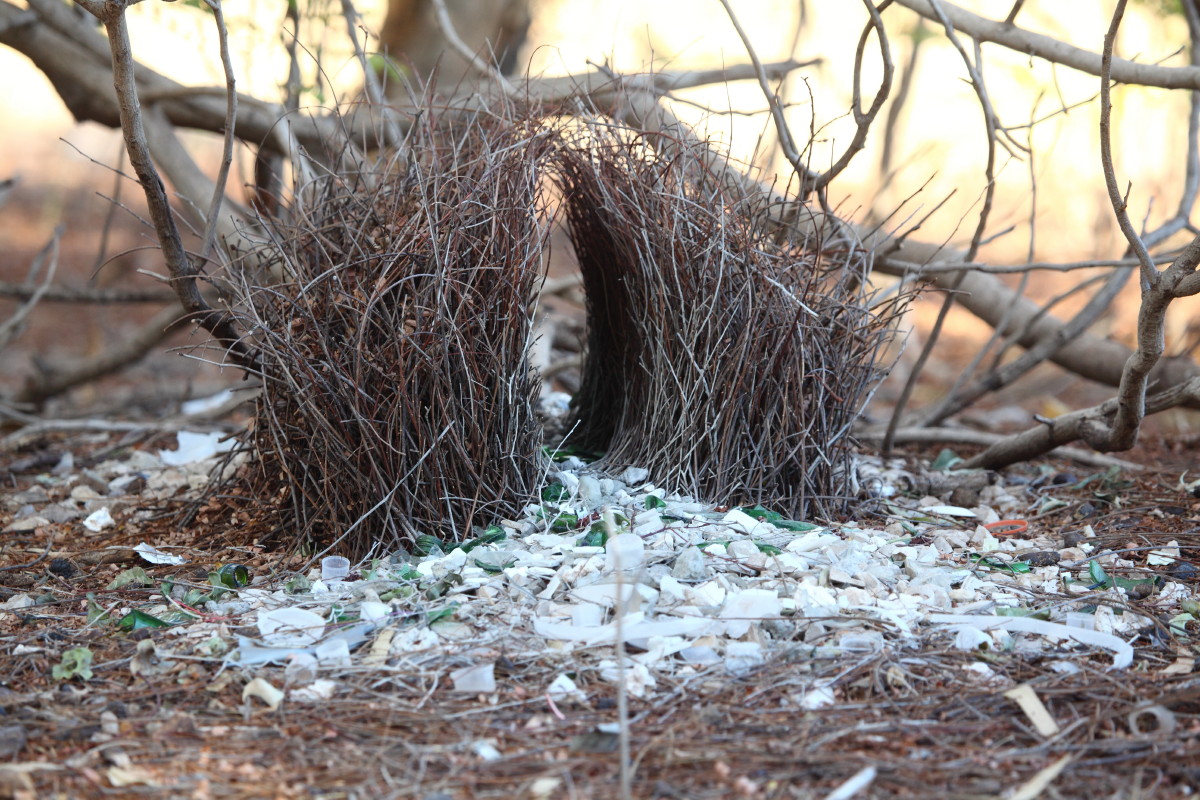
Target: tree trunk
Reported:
point(493, 28)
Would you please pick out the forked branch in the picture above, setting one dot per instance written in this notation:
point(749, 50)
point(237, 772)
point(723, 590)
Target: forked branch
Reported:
point(182, 270)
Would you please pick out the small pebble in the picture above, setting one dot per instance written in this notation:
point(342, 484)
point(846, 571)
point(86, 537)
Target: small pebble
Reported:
point(1042, 558)
point(1183, 571)
point(1140, 591)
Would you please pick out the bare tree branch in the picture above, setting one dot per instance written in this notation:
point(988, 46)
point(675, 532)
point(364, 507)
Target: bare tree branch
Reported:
point(863, 120)
point(61, 378)
point(218, 195)
point(11, 328)
point(975, 70)
point(471, 57)
point(1114, 425)
point(183, 271)
point(1056, 50)
point(370, 79)
point(84, 294)
point(984, 438)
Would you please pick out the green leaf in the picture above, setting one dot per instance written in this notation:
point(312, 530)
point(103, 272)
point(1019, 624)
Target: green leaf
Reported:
point(769, 549)
point(558, 454)
point(136, 620)
point(233, 576)
point(564, 522)
point(75, 663)
point(386, 67)
point(218, 590)
point(778, 520)
point(556, 493)
point(399, 593)
point(1179, 624)
point(654, 501)
point(760, 513)
point(945, 461)
point(441, 614)
point(95, 611)
point(442, 586)
point(134, 576)
point(597, 536)
point(1049, 504)
point(1129, 583)
point(295, 584)
point(493, 534)
point(1016, 611)
point(1097, 573)
point(493, 562)
point(427, 544)
point(1003, 566)
point(798, 527)
point(195, 597)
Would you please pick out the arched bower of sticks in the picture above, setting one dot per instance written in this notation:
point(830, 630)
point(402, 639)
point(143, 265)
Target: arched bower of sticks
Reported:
point(397, 395)
point(727, 358)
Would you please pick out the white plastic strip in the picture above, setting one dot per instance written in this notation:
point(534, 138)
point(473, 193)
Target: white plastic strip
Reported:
point(1122, 652)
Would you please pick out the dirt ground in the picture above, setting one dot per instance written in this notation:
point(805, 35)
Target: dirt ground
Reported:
point(914, 713)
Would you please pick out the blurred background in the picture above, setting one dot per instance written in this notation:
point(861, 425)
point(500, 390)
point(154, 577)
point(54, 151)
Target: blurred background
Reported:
point(927, 150)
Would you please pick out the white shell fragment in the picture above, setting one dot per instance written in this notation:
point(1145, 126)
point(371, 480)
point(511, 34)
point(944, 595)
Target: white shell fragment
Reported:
point(153, 554)
point(624, 551)
point(98, 520)
point(1034, 709)
point(744, 608)
point(290, 627)
point(563, 688)
point(192, 447)
point(477, 679)
point(950, 511)
point(264, 691)
point(202, 405)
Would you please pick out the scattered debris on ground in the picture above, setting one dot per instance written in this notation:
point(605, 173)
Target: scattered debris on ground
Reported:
point(929, 618)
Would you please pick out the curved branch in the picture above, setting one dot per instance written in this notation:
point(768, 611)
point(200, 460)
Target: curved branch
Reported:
point(56, 380)
point(1051, 49)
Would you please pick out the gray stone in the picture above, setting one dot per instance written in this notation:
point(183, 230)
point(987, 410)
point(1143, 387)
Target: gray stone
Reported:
point(26, 524)
point(12, 740)
point(92, 479)
point(61, 512)
point(589, 491)
point(34, 495)
point(690, 566)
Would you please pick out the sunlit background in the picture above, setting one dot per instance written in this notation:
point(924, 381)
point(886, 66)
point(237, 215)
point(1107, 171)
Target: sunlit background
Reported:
point(938, 142)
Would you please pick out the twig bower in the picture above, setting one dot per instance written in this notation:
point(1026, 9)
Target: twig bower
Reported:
point(723, 355)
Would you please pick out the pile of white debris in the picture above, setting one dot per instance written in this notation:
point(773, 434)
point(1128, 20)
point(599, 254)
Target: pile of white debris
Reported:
point(619, 576)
